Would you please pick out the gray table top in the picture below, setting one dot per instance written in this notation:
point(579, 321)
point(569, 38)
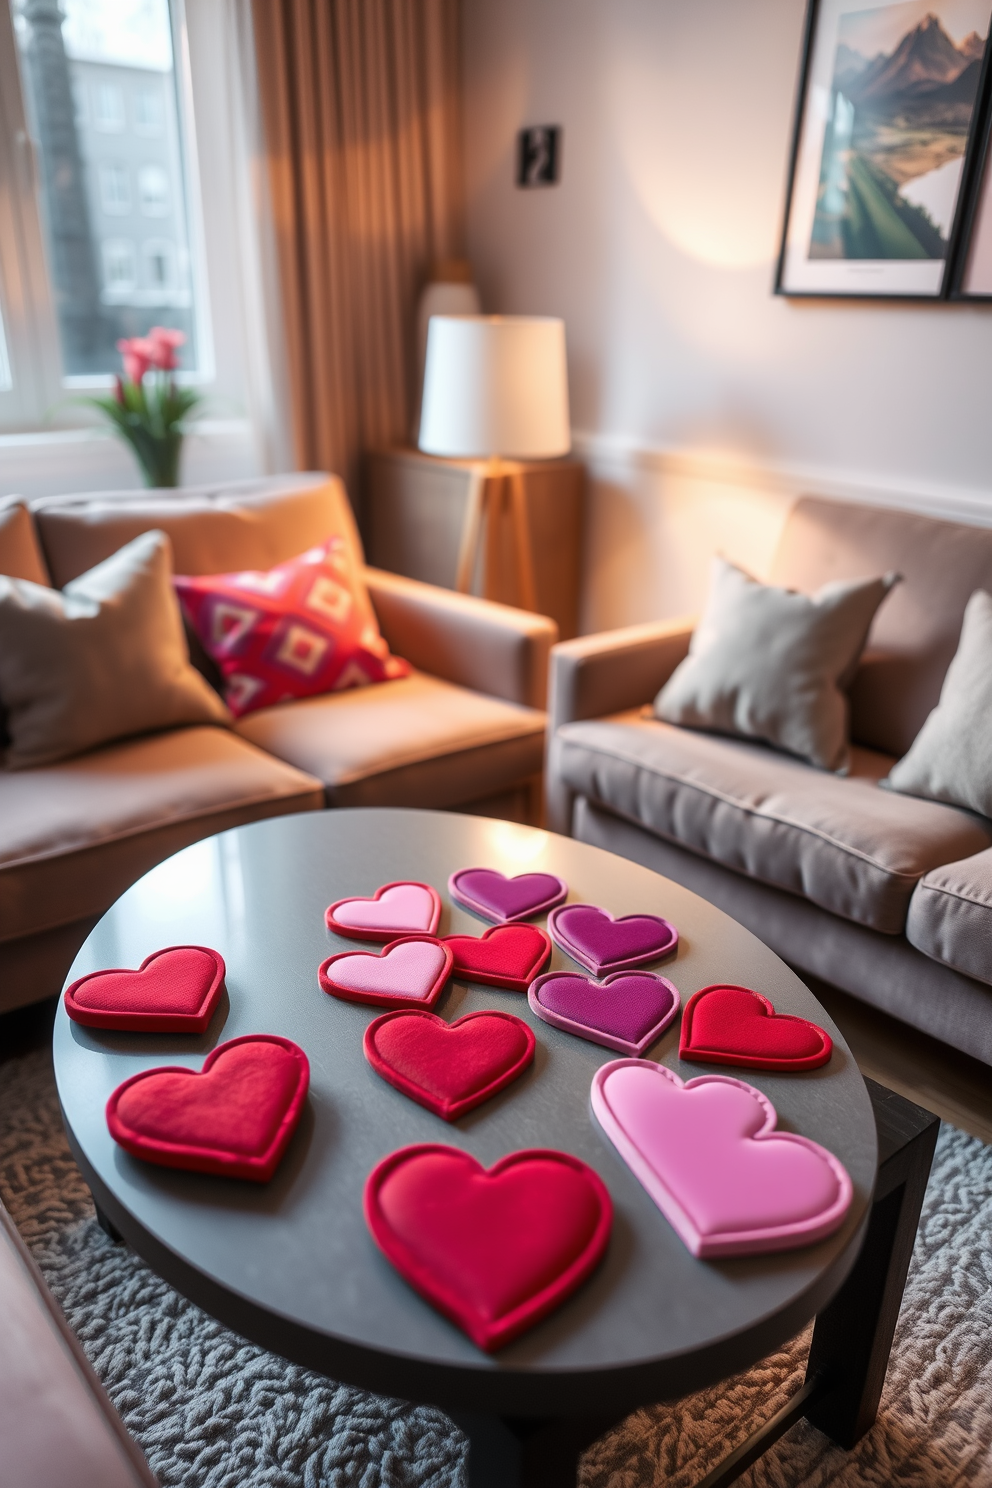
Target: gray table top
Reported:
point(291, 1265)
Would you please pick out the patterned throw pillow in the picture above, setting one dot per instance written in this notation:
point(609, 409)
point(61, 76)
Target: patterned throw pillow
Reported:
point(304, 627)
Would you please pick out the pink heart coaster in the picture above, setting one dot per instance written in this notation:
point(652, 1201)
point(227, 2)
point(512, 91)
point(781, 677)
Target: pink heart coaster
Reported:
point(410, 971)
point(403, 908)
point(626, 1012)
point(175, 990)
point(601, 943)
point(503, 900)
point(708, 1154)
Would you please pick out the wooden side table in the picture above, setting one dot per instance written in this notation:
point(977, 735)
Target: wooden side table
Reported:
point(417, 513)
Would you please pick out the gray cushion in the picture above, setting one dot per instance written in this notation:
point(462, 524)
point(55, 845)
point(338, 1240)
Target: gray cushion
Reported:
point(951, 758)
point(840, 842)
point(950, 916)
point(74, 835)
point(770, 663)
point(102, 659)
point(415, 741)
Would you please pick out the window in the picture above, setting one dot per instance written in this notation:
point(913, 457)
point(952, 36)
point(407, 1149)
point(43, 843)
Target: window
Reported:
point(126, 149)
point(119, 273)
point(153, 189)
point(115, 190)
point(108, 108)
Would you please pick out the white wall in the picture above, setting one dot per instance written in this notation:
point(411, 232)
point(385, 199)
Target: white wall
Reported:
point(702, 401)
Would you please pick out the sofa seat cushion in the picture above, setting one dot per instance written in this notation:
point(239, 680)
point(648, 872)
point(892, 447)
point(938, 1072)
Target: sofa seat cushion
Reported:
point(415, 741)
point(950, 916)
point(74, 835)
point(839, 841)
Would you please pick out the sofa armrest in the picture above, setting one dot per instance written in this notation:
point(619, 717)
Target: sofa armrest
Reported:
point(475, 643)
point(600, 674)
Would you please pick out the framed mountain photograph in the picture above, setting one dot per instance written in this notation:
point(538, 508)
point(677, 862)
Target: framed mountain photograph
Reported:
point(885, 123)
point(971, 268)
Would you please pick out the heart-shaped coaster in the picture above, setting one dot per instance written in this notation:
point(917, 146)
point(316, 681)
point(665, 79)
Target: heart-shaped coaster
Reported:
point(601, 943)
point(175, 990)
point(504, 956)
point(404, 908)
point(503, 900)
point(627, 1011)
point(233, 1118)
point(494, 1249)
point(733, 1025)
point(412, 969)
point(708, 1154)
point(449, 1067)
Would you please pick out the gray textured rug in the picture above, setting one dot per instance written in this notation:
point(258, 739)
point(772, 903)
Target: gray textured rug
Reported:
point(212, 1411)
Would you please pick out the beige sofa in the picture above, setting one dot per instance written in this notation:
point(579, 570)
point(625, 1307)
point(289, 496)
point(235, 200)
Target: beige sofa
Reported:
point(883, 895)
point(465, 730)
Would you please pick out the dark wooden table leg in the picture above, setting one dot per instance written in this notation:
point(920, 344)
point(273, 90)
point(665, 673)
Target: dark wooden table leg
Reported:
point(107, 1226)
point(514, 1452)
point(853, 1334)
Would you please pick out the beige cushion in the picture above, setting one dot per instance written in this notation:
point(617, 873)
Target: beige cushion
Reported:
point(74, 835)
point(416, 741)
point(20, 555)
point(104, 658)
point(950, 916)
point(770, 663)
point(213, 529)
point(841, 842)
point(916, 631)
point(951, 757)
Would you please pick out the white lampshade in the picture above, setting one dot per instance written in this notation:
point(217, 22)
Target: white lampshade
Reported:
point(495, 385)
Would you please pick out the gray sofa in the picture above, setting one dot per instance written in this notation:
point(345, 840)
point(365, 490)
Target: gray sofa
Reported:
point(465, 729)
point(883, 895)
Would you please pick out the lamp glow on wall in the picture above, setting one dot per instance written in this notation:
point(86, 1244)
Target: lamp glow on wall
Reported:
point(496, 391)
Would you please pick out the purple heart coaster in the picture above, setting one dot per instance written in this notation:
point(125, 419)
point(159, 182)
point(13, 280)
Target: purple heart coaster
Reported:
point(600, 943)
point(504, 900)
point(627, 1011)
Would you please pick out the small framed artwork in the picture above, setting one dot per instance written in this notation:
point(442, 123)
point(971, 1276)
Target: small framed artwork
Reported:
point(886, 124)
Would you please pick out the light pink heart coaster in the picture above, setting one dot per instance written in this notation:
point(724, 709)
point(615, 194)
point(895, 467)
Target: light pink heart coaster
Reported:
point(404, 908)
point(708, 1154)
point(409, 972)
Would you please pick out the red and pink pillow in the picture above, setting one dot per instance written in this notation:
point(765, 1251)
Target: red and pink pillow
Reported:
point(304, 627)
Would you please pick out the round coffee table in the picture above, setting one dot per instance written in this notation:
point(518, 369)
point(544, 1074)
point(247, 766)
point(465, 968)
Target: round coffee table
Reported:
point(291, 1265)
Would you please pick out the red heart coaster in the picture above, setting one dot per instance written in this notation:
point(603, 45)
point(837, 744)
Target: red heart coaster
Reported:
point(505, 956)
point(449, 1067)
point(234, 1118)
point(733, 1025)
point(409, 971)
point(494, 1249)
point(173, 991)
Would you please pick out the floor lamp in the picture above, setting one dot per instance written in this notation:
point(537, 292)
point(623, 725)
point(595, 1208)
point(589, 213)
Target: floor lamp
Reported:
point(495, 391)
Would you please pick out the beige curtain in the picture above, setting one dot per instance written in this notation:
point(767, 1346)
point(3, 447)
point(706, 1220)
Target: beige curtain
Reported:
point(360, 101)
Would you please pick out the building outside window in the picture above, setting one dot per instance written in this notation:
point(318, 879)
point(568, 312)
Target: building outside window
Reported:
point(123, 147)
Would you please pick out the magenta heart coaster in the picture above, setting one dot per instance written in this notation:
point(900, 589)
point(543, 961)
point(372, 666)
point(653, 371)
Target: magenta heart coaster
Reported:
point(708, 1154)
point(600, 943)
point(404, 908)
point(503, 900)
point(409, 972)
point(626, 1012)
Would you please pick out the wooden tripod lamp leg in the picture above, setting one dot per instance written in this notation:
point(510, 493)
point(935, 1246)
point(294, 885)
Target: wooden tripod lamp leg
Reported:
point(468, 552)
point(525, 559)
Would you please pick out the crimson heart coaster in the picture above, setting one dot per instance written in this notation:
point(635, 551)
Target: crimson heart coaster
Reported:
point(493, 1249)
point(403, 908)
point(601, 943)
point(449, 1067)
point(505, 956)
point(175, 990)
point(708, 1154)
point(234, 1118)
point(412, 969)
point(504, 900)
point(733, 1025)
point(627, 1011)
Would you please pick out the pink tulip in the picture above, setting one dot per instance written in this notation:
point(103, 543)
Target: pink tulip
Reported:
point(164, 343)
point(138, 356)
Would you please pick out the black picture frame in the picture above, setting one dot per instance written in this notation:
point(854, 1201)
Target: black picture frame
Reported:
point(977, 161)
